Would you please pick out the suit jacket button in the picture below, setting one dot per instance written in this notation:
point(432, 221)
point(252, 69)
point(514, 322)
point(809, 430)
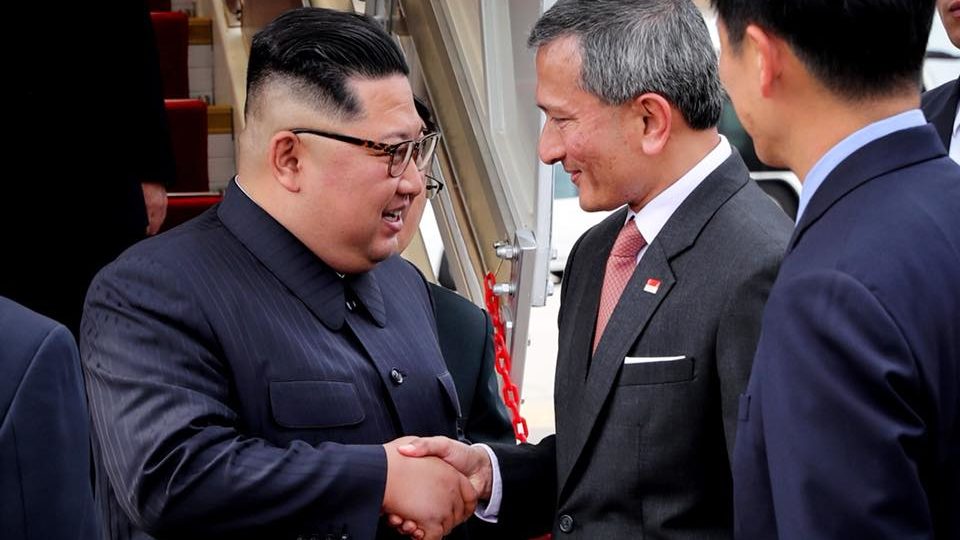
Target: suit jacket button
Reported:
point(351, 305)
point(396, 376)
point(566, 523)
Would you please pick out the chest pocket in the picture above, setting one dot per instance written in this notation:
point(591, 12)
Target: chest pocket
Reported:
point(315, 404)
point(643, 371)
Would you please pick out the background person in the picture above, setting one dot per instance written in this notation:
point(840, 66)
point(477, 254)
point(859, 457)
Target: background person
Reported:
point(850, 426)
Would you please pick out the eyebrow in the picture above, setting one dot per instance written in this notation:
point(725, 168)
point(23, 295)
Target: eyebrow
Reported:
point(553, 109)
point(403, 135)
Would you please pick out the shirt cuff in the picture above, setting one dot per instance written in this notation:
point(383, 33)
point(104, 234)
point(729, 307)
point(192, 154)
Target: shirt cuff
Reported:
point(489, 510)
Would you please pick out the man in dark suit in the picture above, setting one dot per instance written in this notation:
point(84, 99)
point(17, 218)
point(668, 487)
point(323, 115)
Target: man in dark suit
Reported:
point(465, 332)
point(940, 104)
point(647, 384)
point(247, 371)
point(60, 229)
point(466, 341)
point(850, 426)
point(45, 487)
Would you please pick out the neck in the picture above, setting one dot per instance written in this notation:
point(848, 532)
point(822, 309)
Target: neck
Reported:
point(683, 152)
point(814, 131)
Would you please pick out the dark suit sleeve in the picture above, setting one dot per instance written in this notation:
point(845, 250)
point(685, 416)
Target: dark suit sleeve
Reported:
point(529, 475)
point(173, 450)
point(46, 436)
point(837, 387)
point(737, 337)
point(529, 472)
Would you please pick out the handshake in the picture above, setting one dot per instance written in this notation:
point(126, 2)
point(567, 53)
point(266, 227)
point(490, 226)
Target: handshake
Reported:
point(433, 484)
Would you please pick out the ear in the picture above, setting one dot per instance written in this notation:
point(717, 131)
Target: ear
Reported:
point(654, 115)
point(286, 153)
point(768, 54)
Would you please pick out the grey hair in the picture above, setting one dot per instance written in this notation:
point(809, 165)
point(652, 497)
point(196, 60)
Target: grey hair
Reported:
point(632, 47)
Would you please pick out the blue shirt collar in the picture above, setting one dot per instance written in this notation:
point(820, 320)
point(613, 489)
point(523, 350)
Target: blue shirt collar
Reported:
point(853, 142)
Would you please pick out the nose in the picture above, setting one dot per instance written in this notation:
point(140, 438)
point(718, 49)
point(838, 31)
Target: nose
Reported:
point(550, 148)
point(411, 181)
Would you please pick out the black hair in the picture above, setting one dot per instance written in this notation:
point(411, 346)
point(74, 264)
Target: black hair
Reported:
point(315, 51)
point(424, 111)
point(856, 48)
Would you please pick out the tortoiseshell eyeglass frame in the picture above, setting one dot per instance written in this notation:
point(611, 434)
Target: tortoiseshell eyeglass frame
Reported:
point(410, 147)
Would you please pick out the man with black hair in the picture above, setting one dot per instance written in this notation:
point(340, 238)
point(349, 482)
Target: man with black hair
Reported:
point(850, 426)
point(247, 371)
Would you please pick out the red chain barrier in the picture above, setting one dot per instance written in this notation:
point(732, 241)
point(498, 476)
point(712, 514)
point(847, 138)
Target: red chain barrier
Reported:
point(502, 362)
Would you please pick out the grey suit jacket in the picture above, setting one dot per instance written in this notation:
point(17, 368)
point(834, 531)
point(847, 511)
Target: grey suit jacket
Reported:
point(240, 388)
point(643, 449)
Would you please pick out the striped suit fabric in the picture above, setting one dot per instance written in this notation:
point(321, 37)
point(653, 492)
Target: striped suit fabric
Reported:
point(240, 387)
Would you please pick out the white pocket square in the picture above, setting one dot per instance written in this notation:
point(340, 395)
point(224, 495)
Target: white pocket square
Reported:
point(650, 359)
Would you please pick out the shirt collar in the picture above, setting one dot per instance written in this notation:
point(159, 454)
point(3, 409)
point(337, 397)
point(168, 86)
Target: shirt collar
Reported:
point(655, 214)
point(321, 288)
point(853, 142)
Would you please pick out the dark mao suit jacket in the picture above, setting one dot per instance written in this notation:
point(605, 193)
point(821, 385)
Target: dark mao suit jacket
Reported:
point(45, 490)
point(240, 388)
point(851, 424)
point(642, 450)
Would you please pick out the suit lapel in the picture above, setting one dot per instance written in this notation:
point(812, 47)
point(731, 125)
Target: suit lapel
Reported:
point(580, 400)
point(628, 320)
point(942, 111)
point(586, 300)
point(897, 150)
point(579, 308)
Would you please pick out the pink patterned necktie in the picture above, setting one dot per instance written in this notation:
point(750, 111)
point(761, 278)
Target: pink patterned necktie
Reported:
point(620, 266)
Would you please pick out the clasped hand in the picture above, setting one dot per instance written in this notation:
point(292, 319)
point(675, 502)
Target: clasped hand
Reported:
point(433, 484)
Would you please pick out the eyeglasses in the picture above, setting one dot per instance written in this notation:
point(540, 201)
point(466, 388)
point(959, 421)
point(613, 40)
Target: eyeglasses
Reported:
point(432, 187)
point(421, 150)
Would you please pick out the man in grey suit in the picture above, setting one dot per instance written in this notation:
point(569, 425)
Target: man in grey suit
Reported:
point(247, 370)
point(648, 379)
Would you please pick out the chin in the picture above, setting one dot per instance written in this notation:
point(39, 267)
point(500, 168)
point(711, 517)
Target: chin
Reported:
point(382, 253)
point(588, 203)
point(593, 205)
point(768, 156)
